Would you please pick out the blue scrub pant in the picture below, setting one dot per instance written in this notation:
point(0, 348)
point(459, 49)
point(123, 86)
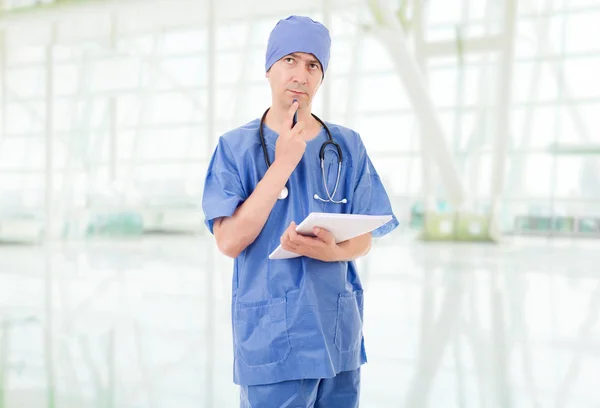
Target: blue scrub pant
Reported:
point(342, 391)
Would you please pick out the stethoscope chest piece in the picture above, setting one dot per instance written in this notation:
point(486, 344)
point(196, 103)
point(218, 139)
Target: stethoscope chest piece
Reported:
point(284, 193)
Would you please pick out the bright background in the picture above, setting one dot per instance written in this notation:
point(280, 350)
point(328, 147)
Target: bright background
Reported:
point(112, 293)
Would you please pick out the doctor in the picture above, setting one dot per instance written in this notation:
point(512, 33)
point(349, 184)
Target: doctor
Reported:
point(297, 323)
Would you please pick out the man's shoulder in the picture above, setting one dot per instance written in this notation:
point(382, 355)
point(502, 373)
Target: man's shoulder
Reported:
point(347, 133)
point(237, 137)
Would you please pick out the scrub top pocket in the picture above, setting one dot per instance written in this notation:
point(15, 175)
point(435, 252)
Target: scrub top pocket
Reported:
point(348, 330)
point(260, 332)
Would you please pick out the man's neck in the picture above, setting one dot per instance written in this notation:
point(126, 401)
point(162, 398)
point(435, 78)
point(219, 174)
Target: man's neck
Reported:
point(276, 116)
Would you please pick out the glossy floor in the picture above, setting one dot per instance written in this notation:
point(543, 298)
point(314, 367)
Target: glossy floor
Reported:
point(145, 323)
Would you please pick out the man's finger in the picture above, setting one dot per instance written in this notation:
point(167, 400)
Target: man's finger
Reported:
point(292, 231)
point(286, 233)
point(302, 240)
point(324, 235)
point(285, 240)
point(298, 128)
point(289, 120)
point(294, 237)
point(288, 245)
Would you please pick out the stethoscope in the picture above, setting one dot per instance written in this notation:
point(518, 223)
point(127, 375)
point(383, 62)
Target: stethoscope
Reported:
point(284, 192)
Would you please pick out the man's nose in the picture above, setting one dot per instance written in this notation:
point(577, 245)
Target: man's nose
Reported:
point(301, 74)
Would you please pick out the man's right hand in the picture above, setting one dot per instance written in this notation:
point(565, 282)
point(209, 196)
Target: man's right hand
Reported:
point(290, 145)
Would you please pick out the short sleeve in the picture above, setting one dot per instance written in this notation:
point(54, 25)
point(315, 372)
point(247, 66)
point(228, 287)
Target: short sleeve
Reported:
point(223, 189)
point(370, 196)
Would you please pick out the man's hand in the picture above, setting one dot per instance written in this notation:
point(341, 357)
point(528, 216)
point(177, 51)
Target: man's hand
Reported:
point(321, 247)
point(290, 145)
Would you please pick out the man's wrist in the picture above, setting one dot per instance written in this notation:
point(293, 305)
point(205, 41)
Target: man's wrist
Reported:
point(283, 167)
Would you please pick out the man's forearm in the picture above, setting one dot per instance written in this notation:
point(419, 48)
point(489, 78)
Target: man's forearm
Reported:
point(235, 233)
point(355, 247)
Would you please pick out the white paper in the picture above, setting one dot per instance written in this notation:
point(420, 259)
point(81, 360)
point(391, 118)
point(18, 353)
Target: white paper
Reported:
point(342, 226)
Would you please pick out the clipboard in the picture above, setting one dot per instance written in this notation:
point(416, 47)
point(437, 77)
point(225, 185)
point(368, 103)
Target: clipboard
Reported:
point(342, 226)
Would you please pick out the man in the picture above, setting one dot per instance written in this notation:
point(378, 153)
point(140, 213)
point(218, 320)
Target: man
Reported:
point(297, 323)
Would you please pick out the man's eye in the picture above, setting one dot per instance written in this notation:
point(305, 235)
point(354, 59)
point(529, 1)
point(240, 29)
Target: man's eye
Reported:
point(289, 59)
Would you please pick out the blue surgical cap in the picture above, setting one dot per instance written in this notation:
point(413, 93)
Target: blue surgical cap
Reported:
point(298, 34)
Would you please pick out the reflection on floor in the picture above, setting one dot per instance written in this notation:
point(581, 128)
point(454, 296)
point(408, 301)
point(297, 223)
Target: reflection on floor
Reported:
point(146, 324)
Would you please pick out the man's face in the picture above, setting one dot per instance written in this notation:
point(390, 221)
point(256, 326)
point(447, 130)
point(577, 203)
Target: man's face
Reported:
point(295, 76)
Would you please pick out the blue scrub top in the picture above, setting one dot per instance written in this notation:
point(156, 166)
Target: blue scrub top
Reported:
point(294, 318)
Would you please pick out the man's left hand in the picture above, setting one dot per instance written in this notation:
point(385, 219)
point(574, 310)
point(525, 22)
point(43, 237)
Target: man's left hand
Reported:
point(321, 247)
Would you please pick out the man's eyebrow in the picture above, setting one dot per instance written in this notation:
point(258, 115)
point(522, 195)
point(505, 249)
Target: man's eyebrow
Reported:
point(313, 61)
